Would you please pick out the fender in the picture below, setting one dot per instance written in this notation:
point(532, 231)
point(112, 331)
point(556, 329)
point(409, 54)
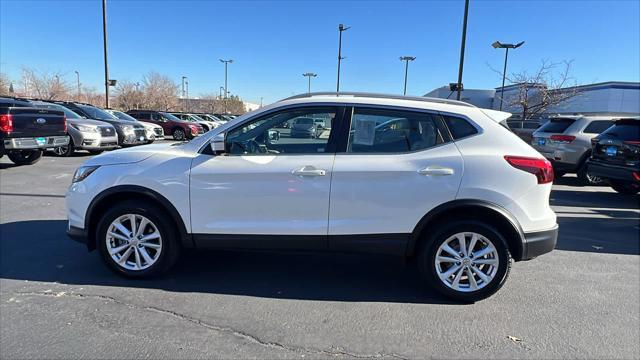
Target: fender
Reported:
point(185, 237)
point(452, 205)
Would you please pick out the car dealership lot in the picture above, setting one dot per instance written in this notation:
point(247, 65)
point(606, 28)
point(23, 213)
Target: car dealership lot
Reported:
point(56, 301)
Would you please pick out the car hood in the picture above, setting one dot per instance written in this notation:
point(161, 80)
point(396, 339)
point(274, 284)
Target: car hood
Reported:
point(87, 122)
point(132, 155)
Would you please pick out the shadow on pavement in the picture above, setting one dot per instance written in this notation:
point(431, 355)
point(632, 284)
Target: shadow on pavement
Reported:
point(39, 250)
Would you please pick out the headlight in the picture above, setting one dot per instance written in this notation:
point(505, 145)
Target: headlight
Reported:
point(84, 128)
point(127, 129)
point(83, 172)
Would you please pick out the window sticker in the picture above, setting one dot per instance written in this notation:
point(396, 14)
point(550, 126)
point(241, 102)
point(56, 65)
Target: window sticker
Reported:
point(364, 132)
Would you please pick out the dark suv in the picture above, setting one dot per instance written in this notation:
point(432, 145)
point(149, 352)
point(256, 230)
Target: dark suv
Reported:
point(179, 129)
point(615, 156)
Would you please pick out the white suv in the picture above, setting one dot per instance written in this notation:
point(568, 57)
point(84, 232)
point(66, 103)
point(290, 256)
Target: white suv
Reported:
point(438, 180)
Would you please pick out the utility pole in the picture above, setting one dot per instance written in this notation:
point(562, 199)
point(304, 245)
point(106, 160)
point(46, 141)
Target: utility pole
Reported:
point(106, 62)
point(226, 62)
point(341, 28)
point(78, 81)
point(309, 75)
point(406, 59)
point(464, 39)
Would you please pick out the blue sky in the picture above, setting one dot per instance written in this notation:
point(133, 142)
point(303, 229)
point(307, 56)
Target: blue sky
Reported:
point(273, 43)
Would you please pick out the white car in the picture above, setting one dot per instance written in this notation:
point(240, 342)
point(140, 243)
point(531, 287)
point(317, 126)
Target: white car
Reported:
point(153, 131)
point(448, 186)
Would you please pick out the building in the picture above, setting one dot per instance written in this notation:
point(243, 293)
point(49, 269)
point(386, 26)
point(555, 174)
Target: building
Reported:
point(612, 97)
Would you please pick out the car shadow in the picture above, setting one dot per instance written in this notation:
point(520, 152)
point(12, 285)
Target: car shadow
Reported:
point(39, 250)
point(585, 199)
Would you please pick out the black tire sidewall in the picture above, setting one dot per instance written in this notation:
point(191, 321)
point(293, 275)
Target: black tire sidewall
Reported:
point(428, 254)
point(19, 159)
point(622, 187)
point(184, 134)
point(170, 246)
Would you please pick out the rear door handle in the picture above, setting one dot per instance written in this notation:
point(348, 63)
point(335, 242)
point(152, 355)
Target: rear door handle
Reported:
point(436, 171)
point(309, 170)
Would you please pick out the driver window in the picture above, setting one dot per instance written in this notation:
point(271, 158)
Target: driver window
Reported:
point(296, 131)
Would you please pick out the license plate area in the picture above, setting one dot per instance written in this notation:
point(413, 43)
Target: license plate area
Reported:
point(542, 141)
point(41, 141)
point(611, 151)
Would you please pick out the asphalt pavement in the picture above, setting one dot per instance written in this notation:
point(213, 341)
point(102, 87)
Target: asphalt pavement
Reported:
point(59, 301)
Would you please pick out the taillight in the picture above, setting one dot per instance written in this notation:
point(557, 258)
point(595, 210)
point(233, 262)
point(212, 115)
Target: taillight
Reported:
point(64, 120)
point(562, 138)
point(6, 123)
point(632, 142)
point(636, 175)
point(541, 168)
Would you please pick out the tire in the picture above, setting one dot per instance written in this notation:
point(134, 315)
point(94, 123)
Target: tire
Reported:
point(586, 179)
point(96, 152)
point(490, 240)
point(179, 134)
point(65, 151)
point(25, 157)
point(624, 187)
point(163, 251)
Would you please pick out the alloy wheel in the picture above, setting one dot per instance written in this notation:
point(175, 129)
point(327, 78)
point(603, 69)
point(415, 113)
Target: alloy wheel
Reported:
point(467, 262)
point(133, 242)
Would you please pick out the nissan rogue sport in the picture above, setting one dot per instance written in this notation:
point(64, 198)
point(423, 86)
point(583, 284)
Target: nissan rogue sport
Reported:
point(437, 180)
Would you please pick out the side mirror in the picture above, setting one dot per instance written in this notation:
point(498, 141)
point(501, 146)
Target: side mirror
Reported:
point(218, 144)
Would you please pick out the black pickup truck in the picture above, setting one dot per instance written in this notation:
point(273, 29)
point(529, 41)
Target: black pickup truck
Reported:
point(26, 131)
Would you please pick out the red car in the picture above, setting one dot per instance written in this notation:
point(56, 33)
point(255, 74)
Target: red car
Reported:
point(179, 129)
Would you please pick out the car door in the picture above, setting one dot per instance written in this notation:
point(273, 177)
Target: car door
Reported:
point(268, 190)
point(396, 167)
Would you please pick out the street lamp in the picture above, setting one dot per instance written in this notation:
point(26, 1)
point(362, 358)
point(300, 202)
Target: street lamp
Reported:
point(406, 59)
point(341, 28)
point(106, 63)
point(464, 40)
point(309, 75)
point(186, 83)
point(78, 81)
point(499, 45)
point(183, 79)
point(226, 62)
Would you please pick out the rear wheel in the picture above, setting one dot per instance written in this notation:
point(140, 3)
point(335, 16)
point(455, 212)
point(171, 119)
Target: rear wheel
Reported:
point(66, 150)
point(466, 260)
point(586, 178)
point(624, 187)
point(136, 239)
point(178, 134)
point(25, 157)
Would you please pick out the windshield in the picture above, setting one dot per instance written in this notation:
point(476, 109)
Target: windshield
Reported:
point(197, 118)
point(96, 113)
point(170, 117)
point(68, 113)
point(122, 116)
point(304, 121)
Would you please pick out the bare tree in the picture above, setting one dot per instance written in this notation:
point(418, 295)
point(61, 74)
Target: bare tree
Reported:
point(45, 86)
point(5, 83)
point(160, 92)
point(128, 96)
point(550, 85)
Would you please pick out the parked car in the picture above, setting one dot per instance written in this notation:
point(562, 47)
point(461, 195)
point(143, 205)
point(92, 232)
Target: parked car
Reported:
point(237, 188)
point(616, 156)
point(179, 129)
point(524, 129)
point(154, 132)
point(224, 117)
point(25, 131)
point(206, 124)
point(566, 142)
point(212, 118)
point(84, 134)
point(304, 127)
point(128, 134)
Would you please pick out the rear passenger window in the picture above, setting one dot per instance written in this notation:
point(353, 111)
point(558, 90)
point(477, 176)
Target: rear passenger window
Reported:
point(598, 126)
point(459, 127)
point(391, 131)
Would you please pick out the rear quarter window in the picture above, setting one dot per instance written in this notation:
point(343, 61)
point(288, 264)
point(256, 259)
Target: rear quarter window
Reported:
point(556, 125)
point(459, 127)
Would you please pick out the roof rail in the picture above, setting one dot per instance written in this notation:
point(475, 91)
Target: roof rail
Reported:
point(380, 96)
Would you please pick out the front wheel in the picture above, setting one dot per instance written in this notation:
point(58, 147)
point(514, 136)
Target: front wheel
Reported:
point(137, 240)
point(65, 151)
point(25, 157)
point(466, 261)
point(179, 135)
point(624, 187)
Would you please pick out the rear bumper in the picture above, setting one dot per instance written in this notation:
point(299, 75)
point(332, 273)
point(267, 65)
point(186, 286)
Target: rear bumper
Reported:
point(607, 171)
point(45, 142)
point(539, 242)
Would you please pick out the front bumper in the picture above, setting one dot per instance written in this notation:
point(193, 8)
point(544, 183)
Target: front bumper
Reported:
point(615, 172)
point(36, 142)
point(539, 242)
point(77, 234)
point(93, 141)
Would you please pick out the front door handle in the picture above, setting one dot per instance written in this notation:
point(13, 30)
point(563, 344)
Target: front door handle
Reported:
point(309, 170)
point(436, 171)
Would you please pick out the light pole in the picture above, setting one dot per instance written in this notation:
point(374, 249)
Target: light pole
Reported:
point(106, 63)
point(499, 45)
point(261, 101)
point(184, 101)
point(406, 59)
point(78, 82)
point(464, 40)
point(309, 75)
point(186, 83)
point(341, 28)
point(226, 62)
point(137, 85)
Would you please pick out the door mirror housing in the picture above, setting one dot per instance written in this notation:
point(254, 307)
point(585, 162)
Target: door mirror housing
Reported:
point(217, 143)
